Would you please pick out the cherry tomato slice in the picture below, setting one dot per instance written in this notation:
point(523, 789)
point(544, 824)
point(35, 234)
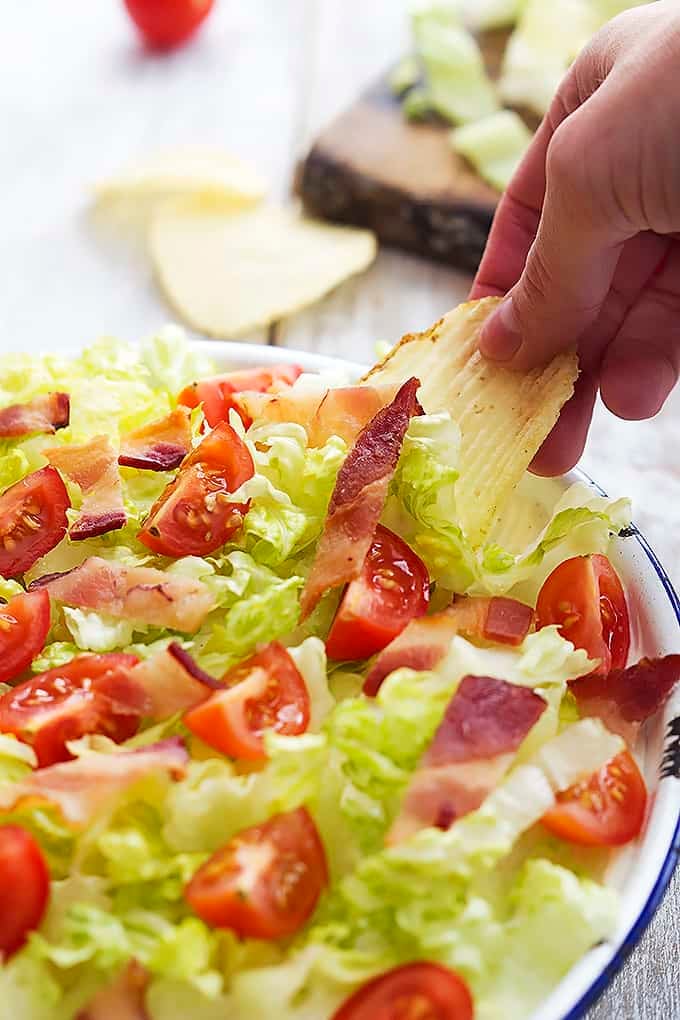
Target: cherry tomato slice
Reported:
point(32, 520)
point(194, 516)
point(266, 882)
point(24, 887)
point(415, 991)
point(264, 692)
point(584, 596)
point(394, 588)
point(90, 694)
point(607, 809)
point(217, 394)
point(24, 625)
point(166, 23)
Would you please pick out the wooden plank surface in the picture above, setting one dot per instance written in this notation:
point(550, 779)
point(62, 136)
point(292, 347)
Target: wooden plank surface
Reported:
point(79, 98)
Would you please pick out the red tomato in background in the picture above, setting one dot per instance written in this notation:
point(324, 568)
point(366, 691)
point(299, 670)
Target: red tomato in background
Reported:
point(24, 625)
point(24, 887)
point(415, 991)
point(607, 809)
point(217, 393)
point(393, 588)
point(166, 23)
point(265, 692)
point(32, 520)
point(266, 882)
point(90, 694)
point(584, 596)
point(194, 516)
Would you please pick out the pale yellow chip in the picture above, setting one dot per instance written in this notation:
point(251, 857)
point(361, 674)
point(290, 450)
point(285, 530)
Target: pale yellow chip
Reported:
point(504, 416)
point(225, 275)
point(209, 176)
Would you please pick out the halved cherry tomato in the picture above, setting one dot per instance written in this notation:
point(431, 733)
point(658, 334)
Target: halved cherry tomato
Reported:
point(24, 624)
point(217, 394)
point(194, 516)
point(266, 882)
point(90, 694)
point(394, 588)
point(166, 23)
point(584, 596)
point(32, 520)
point(264, 692)
point(415, 991)
point(606, 810)
point(24, 888)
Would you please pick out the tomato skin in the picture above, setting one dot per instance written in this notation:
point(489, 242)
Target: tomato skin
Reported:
point(584, 596)
point(393, 589)
point(90, 694)
point(166, 23)
point(266, 882)
point(414, 990)
point(32, 520)
point(608, 809)
point(264, 692)
point(217, 393)
point(24, 625)
point(194, 516)
point(24, 888)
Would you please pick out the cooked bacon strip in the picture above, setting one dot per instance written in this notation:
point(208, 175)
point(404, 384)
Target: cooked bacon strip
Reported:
point(142, 594)
point(46, 413)
point(93, 467)
point(123, 999)
point(483, 726)
point(83, 787)
point(173, 682)
point(424, 642)
point(160, 446)
point(343, 412)
point(359, 497)
point(624, 698)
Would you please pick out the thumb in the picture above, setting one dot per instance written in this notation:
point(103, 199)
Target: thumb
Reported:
point(569, 267)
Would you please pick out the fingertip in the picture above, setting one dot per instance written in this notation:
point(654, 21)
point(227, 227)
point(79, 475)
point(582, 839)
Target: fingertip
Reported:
point(637, 386)
point(500, 339)
point(562, 450)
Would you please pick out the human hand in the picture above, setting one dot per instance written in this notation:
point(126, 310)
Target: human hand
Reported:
point(587, 237)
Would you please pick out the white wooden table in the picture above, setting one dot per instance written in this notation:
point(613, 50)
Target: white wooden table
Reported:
point(79, 98)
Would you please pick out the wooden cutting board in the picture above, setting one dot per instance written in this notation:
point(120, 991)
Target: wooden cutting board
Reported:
point(371, 167)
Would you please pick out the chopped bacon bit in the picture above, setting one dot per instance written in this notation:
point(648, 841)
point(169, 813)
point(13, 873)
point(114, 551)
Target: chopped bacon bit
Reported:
point(46, 413)
point(142, 594)
point(173, 682)
point(93, 466)
point(122, 999)
point(359, 497)
point(342, 412)
point(83, 787)
point(625, 698)
point(483, 726)
point(160, 446)
point(425, 642)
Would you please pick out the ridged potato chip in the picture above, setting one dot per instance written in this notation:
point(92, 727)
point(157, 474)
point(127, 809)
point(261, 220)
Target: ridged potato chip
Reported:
point(504, 416)
point(225, 275)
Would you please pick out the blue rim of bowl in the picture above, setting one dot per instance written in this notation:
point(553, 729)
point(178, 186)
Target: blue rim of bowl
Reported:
point(645, 916)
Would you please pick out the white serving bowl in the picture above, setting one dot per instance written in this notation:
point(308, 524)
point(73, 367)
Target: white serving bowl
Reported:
point(642, 870)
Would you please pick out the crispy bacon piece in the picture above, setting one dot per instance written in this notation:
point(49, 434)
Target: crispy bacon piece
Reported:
point(173, 682)
point(83, 787)
point(142, 594)
point(343, 412)
point(425, 641)
point(483, 726)
point(46, 413)
point(123, 999)
point(159, 446)
point(624, 698)
point(359, 497)
point(93, 467)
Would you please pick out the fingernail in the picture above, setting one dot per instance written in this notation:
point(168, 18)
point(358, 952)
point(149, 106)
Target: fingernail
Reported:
point(501, 337)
